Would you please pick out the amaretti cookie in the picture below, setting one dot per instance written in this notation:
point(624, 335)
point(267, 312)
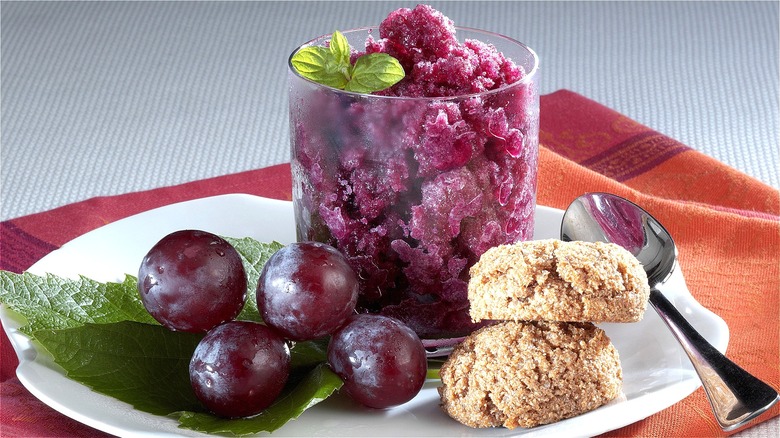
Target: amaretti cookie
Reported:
point(553, 280)
point(526, 374)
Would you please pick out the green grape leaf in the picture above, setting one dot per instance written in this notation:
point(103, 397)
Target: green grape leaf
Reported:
point(52, 302)
point(316, 386)
point(306, 355)
point(147, 366)
point(254, 254)
point(102, 336)
point(144, 365)
point(374, 72)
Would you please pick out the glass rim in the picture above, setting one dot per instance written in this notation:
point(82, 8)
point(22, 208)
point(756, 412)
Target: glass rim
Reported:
point(527, 78)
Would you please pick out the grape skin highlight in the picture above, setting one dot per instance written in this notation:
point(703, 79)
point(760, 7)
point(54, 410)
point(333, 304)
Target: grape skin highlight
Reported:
point(307, 290)
point(381, 360)
point(192, 281)
point(239, 368)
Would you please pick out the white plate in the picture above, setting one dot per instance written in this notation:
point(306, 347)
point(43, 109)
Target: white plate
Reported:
point(656, 372)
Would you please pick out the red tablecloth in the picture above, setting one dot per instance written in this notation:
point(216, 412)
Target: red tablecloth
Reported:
point(725, 223)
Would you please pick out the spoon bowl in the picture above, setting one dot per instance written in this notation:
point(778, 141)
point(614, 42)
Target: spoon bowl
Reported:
point(736, 396)
point(600, 217)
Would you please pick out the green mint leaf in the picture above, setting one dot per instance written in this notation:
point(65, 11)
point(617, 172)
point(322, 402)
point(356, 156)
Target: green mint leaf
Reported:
point(52, 302)
point(144, 365)
point(331, 66)
point(375, 72)
point(318, 64)
point(316, 386)
point(339, 47)
point(254, 254)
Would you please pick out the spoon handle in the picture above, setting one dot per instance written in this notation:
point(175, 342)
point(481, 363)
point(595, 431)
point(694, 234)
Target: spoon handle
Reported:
point(736, 396)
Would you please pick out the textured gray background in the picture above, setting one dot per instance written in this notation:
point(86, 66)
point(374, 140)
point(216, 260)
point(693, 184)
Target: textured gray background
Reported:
point(105, 98)
point(102, 98)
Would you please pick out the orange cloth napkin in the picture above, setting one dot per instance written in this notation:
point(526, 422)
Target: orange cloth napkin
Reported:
point(725, 223)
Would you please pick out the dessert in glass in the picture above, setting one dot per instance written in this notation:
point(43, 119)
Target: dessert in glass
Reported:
point(413, 183)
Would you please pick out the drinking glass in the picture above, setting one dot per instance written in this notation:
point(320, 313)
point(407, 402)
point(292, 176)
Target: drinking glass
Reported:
point(414, 189)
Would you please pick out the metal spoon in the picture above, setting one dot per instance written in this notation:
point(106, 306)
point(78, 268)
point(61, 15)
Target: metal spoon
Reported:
point(735, 395)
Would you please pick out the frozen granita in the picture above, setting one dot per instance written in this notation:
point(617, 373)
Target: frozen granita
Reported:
point(414, 182)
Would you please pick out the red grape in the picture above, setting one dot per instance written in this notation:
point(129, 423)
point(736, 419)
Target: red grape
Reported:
point(192, 281)
point(239, 368)
point(306, 290)
point(381, 361)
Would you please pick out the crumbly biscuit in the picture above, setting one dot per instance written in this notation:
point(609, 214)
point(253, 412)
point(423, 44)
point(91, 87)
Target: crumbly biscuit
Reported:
point(529, 373)
point(553, 280)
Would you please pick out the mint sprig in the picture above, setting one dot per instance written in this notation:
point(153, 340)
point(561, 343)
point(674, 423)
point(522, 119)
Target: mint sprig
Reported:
point(331, 66)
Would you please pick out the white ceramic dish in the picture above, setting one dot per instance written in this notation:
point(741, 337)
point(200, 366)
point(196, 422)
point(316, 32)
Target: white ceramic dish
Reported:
point(656, 372)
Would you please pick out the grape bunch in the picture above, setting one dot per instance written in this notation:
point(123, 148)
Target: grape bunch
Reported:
point(308, 290)
point(194, 281)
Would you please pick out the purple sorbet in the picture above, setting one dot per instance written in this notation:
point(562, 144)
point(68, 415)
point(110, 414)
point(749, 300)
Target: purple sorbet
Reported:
point(415, 182)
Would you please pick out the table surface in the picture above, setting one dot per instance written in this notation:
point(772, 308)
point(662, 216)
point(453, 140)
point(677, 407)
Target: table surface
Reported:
point(104, 98)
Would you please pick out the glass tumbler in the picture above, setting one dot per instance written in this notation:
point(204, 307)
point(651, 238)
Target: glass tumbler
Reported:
point(414, 189)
